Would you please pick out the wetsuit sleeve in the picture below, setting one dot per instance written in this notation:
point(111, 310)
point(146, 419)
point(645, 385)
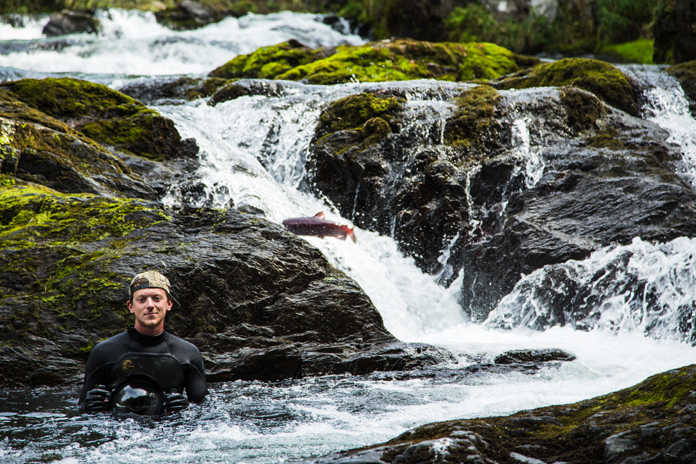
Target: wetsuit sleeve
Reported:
point(196, 385)
point(96, 373)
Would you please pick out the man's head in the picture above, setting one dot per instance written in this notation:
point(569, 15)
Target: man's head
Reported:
point(149, 300)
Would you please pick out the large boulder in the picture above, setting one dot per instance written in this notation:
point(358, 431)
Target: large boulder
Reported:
point(78, 136)
point(105, 115)
point(650, 422)
point(37, 147)
point(259, 303)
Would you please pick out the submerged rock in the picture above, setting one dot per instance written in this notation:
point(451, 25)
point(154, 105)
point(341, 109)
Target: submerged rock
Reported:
point(647, 423)
point(71, 22)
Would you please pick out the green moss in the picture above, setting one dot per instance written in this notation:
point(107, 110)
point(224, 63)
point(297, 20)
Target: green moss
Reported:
point(473, 118)
point(37, 214)
point(375, 62)
point(583, 108)
point(596, 76)
point(405, 60)
point(102, 114)
point(638, 51)
point(355, 110)
point(68, 98)
point(59, 248)
point(267, 62)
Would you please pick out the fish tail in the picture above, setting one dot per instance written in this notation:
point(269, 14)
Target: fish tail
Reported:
point(351, 232)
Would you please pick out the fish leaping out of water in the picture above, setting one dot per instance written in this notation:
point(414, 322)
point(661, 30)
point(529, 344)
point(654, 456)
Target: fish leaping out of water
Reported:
point(318, 226)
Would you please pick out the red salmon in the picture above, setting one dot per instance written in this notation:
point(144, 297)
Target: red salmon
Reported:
point(318, 226)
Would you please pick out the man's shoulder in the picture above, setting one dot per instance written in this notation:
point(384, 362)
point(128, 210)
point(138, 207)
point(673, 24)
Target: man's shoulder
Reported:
point(181, 344)
point(117, 339)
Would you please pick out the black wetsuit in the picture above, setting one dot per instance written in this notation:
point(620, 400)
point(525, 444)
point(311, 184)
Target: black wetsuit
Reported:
point(165, 360)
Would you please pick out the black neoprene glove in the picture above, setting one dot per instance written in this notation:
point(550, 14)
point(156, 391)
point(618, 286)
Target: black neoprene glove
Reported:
point(175, 401)
point(97, 399)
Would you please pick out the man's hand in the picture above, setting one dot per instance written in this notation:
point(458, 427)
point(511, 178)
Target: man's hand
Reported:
point(97, 399)
point(175, 401)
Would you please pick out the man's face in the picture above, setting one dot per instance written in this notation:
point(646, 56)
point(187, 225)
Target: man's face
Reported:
point(150, 306)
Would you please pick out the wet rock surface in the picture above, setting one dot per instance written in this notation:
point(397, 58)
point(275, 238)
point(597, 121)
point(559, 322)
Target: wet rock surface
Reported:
point(651, 422)
point(601, 176)
point(71, 22)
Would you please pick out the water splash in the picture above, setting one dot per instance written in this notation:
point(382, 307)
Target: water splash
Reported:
point(667, 106)
point(133, 43)
point(642, 287)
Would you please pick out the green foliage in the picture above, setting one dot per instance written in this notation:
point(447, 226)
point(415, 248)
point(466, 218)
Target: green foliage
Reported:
point(624, 20)
point(474, 23)
point(638, 51)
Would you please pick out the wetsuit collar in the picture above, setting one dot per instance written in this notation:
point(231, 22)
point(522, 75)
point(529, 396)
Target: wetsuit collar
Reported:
point(146, 340)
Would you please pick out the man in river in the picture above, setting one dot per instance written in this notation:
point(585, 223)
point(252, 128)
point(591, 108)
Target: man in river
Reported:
point(145, 369)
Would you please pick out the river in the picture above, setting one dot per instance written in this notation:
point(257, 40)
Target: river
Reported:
point(255, 148)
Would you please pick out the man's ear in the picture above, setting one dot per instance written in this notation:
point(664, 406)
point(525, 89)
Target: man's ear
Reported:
point(129, 305)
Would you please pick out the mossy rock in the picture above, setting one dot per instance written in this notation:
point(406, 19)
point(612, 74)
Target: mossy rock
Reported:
point(474, 119)
point(583, 108)
point(268, 62)
point(103, 114)
point(354, 111)
point(54, 249)
point(686, 74)
point(39, 148)
point(376, 62)
point(599, 77)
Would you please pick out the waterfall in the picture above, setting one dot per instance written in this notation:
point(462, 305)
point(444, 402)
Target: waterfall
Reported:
point(667, 106)
point(641, 287)
point(259, 162)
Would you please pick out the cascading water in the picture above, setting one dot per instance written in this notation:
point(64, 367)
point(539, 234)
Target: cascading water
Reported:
point(253, 151)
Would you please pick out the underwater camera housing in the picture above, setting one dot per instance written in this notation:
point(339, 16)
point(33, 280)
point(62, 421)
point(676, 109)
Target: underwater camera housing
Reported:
point(142, 379)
